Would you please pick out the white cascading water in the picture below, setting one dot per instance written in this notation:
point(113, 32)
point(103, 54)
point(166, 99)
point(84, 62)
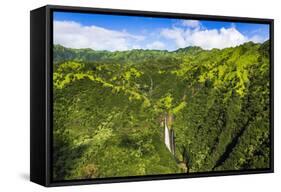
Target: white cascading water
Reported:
point(167, 135)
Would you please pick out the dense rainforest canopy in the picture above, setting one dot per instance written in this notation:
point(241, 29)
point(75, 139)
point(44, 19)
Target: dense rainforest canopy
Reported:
point(110, 110)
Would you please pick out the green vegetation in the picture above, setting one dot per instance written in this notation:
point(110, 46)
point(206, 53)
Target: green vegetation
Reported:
point(110, 108)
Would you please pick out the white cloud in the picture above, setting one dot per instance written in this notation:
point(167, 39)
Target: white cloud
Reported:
point(176, 34)
point(158, 45)
point(257, 39)
point(191, 23)
point(207, 38)
point(72, 34)
point(188, 33)
point(136, 47)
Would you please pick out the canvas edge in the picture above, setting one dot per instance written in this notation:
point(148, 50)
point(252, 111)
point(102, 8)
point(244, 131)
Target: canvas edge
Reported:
point(48, 57)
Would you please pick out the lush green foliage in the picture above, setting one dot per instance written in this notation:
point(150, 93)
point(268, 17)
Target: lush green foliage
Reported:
point(109, 109)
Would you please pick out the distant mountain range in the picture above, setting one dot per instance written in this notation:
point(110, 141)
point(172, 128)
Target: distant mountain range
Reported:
point(62, 53)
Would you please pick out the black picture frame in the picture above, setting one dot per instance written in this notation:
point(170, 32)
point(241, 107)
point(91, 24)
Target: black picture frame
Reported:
point(41, 45)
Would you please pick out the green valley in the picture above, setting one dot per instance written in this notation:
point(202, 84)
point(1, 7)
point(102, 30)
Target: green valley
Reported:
point(153, 112)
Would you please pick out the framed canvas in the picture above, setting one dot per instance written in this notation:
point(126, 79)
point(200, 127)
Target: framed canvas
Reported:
point(119, 95)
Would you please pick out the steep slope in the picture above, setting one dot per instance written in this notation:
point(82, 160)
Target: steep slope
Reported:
point(110, 110)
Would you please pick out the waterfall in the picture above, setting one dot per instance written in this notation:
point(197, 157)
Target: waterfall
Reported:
point(167, 135)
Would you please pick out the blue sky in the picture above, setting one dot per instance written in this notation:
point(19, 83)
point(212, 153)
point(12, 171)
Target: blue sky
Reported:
point(112, 32)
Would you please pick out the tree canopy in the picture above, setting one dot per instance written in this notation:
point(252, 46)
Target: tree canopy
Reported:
point(109, 109)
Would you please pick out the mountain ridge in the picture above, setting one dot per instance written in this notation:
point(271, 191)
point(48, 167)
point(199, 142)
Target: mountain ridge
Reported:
point(62, 53)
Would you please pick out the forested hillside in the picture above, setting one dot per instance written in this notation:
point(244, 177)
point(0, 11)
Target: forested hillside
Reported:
point(111, 110)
